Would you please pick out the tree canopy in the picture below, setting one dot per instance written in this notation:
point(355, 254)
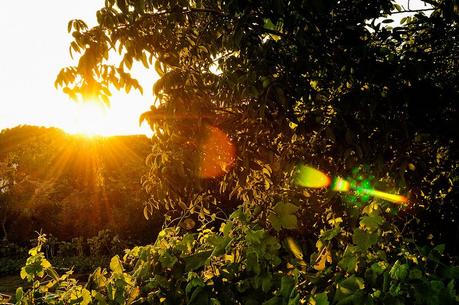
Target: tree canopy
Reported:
point(330, 84)
point(255, 89)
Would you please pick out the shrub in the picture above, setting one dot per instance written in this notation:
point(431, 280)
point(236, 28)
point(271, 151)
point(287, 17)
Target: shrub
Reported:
point(9, 266)
point(243, 262)
point(105, 243)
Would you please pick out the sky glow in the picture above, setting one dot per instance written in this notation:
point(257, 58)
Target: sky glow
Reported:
point(34, 48)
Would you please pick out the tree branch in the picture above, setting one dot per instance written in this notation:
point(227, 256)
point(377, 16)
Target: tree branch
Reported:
point(413, 11)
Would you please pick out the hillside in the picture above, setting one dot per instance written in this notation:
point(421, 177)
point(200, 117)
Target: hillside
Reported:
point(71, 186)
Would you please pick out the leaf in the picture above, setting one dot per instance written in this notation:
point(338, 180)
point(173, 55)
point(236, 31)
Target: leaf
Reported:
point(115, 265)
point(287, 285)
point(324, 258)
point(348, 262)
point(158, 68)
point(283, 216)
point(200, 296)
point(330, 234)
point(372, 222)
point(273, 301)
point(19, 295)
point(364, 240)
point(23, 273)
point(294, 248)
point(167, 260)
point(319, 299)
point(69, 26)
point(86, 297)
point(220, 244)
point(197, 260)
point(145, 213)
point(348, 287)
point(416, 274)
point(266, 282)
point(440, 248)
point(399, 271)
point(188, 224)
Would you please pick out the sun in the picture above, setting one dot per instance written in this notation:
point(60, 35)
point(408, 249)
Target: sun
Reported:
point(89, 119)
point(93, 118)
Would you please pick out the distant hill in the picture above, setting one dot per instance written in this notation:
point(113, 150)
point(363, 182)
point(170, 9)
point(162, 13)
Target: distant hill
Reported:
point(76, 185)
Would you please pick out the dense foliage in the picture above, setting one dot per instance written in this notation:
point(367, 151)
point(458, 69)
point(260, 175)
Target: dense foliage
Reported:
point(54, 179)
point(319, 82)
point(242, 263)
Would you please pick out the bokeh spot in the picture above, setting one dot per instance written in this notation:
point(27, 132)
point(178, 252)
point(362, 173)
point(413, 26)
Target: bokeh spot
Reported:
point(217, 153)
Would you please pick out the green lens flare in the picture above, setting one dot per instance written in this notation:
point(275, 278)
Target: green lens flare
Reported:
point(340, 185)
point(310, 177)
point(361, 188)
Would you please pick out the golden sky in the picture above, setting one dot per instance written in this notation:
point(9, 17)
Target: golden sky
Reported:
point(34, 47)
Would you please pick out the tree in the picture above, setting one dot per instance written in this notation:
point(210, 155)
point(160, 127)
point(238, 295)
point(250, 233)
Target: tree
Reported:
point(314, 82)
point(12, 184)
point(324, 83)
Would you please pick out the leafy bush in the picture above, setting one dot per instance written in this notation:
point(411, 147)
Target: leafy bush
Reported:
point(244, 262)
point(9, 266)
point(80, 264)
point(105, 243)
point(12, 257)
point(12, 250)
point(78, 246)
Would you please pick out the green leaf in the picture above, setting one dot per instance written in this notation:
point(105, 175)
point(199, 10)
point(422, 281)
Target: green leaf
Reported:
point(220, 244)
point(399, 271)
point(363, 239)
point(319, 299)
point(197, 260)
point(287, 285)
point(372, 222)
point(415, 274)
point(330, 234)
point(167, 260)
point(440, 248)
point(283, 216)
point(266, 282)
point(348, 262)
point(19, 295)
point(200, 296)
point(349, 290)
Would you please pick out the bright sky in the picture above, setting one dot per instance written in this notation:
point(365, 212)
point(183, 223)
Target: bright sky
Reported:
point(34, 47)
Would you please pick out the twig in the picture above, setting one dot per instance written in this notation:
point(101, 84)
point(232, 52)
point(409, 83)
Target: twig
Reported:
point(412, 11)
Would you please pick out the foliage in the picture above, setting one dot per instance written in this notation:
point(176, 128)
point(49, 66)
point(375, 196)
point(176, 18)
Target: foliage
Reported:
point(81, 265)
point(9, 266)
point(243, 263)
point(62, 176)
point(331, 84)
point(326, 83)
point(104, 243)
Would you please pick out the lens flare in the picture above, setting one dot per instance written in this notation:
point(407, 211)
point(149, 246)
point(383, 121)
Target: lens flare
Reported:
point(217, 153)
point(359, 189)
point(340, 185)
point(386, 196)
point(310, 177)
